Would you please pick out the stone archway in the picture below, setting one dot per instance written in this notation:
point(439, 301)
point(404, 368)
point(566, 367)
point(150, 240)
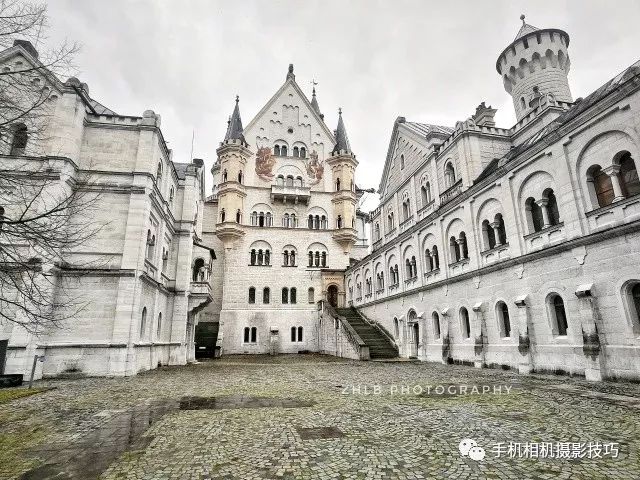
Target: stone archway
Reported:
point(332, 296)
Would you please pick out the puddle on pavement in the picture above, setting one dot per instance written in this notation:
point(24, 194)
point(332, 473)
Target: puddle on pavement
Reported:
point(124, 430)
point(240, 401)
point(317, 433)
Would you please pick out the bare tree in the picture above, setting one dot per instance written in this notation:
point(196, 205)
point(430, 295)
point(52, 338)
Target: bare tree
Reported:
point(46, 205)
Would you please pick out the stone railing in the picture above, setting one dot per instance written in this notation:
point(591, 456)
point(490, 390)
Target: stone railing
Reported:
point(451, 192)
point(407, 223)
point(338, 338)
point(617, 213)
point(545, 237)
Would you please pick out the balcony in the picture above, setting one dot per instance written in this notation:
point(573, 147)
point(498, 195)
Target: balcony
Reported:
point(426, 210)
point(459, 267)
point(495, 254)
point(199, 296)
point(451, 192)
point(617, 213)
point(545, 237)
point(290, 194)
point(432, 275)
point(408, 222)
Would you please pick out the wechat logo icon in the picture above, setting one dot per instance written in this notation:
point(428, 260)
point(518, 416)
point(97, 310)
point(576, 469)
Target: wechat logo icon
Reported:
point(469, 448)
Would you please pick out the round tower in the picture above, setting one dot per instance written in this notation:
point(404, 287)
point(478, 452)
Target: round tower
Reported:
point(232, 159)
point(535, 65)
point(343, 165)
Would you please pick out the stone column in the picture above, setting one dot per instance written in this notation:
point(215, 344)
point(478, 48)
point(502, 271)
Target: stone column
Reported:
point(480, 336)
point(496, 229)
point(446, 337)
point(595, 368)
point(543, 203)
point(612, 171)
point(525, 365)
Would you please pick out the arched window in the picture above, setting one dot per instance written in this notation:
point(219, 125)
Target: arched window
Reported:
point(247, 335)
point(402, 161)
point(252, 295)
point(300, 332)
point(454, 250)
point(266, 295)
point(324, 259)
point(436, 259)
point(293, 294)
point(558, 315)
point(323, 222)
point(254, 334)
point(408, 269)
point(465, 325)
point(159, 173)
point(296, 152)
point(436, 324)
point(504, 322)
point(501, 232)
point(20, 139)
point(414, 266)
point(143, 324)
point(633, 301)
point(276, 150)
point(377, 231)
point(449, 175)
point(294, 334)
point(159, 326)
point(488, 235)
point(428, 260)
point(523, 103)
point(285, 295)
point(198, 270)
point(171, 195)
point(289, 180)
point(311, 259)
point(339, 222)
point(223, 216)
point(338, 185)
point(317, 259)
point(224, 175)
point(629, 181)
point(283, 150)
point(312, 295)
point(285, 258)
point(423, 195)
point(464, 248)
point(534, 215)
point(240, 177)
point(280, 181)
point(238, 216)
point(303, 152)
point(396, 328)
point(552, 207)
point(299, 182)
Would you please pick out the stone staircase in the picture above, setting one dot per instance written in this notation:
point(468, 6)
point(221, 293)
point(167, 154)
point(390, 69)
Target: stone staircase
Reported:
point(379, 345)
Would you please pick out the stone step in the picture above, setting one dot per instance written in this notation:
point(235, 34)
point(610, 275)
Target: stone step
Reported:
point(378, 343)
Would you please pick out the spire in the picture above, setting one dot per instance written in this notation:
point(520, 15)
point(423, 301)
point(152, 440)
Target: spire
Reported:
point(342, 141)
point(234, 125)
point(314, 102)
point(525, 29)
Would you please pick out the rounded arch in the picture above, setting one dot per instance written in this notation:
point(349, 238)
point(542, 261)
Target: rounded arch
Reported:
point(488, 210)
point(260, 244)
point(455, 227)
point(317, 246)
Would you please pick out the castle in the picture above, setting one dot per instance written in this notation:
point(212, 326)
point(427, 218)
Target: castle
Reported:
point(507, 247)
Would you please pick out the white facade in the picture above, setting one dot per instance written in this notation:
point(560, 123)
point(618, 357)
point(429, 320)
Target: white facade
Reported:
point(142, 297)
point(497, 225)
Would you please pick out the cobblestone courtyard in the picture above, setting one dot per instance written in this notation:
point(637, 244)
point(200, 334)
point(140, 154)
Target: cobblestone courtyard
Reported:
point(303, 417)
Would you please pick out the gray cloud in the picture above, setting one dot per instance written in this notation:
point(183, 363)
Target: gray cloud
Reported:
point(429, 61)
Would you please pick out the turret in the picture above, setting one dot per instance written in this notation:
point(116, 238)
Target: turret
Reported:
point(232, 159)
point(534, 67)
point(343, 165)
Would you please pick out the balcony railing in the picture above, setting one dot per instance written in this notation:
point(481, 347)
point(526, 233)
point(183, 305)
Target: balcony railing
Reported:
point(408, 222)
point(451, 192)
point(293, 194)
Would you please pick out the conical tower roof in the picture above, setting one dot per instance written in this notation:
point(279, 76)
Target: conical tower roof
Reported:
point(342, 141)
point(234, 128)
point(525, 29)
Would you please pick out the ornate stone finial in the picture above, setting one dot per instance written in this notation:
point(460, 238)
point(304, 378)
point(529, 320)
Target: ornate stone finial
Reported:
point(339, 110)
point(237, 98)
point(290, 72)
point(522, 18)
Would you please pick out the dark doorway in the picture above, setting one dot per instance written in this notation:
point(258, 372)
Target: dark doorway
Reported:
point(206, 336)
point(332, 296)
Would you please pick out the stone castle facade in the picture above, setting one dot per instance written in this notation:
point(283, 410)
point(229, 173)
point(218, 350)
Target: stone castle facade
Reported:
point(515, 247)
point(512, 247)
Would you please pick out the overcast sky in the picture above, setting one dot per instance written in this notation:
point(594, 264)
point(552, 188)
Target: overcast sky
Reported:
point(429, 61)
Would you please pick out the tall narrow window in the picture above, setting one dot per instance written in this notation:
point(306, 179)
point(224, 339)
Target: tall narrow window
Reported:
point(436, 259)
point(143, 324)
point(552, 207)
point(635, 303)
point(312, 296)
point(534, 215)
point(300, 331)
point(252, 295)
point(559, 315)
point(159, 326)
point(266, 295)
point(247, 334)
point(20, 138)
point(294, 334)
point(293, 295)
point(324, 259)
point(628, 175)
point(504, 322)
point(254, 334)
point(465, 324)
point(276, 150)
point(285, 295)
point(436, 324)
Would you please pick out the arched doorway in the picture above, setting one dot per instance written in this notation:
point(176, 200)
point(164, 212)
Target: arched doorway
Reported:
point(332, 296)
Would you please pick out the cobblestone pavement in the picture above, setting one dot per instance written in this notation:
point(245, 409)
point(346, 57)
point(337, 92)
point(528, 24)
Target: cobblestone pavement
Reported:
point(303, 417)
